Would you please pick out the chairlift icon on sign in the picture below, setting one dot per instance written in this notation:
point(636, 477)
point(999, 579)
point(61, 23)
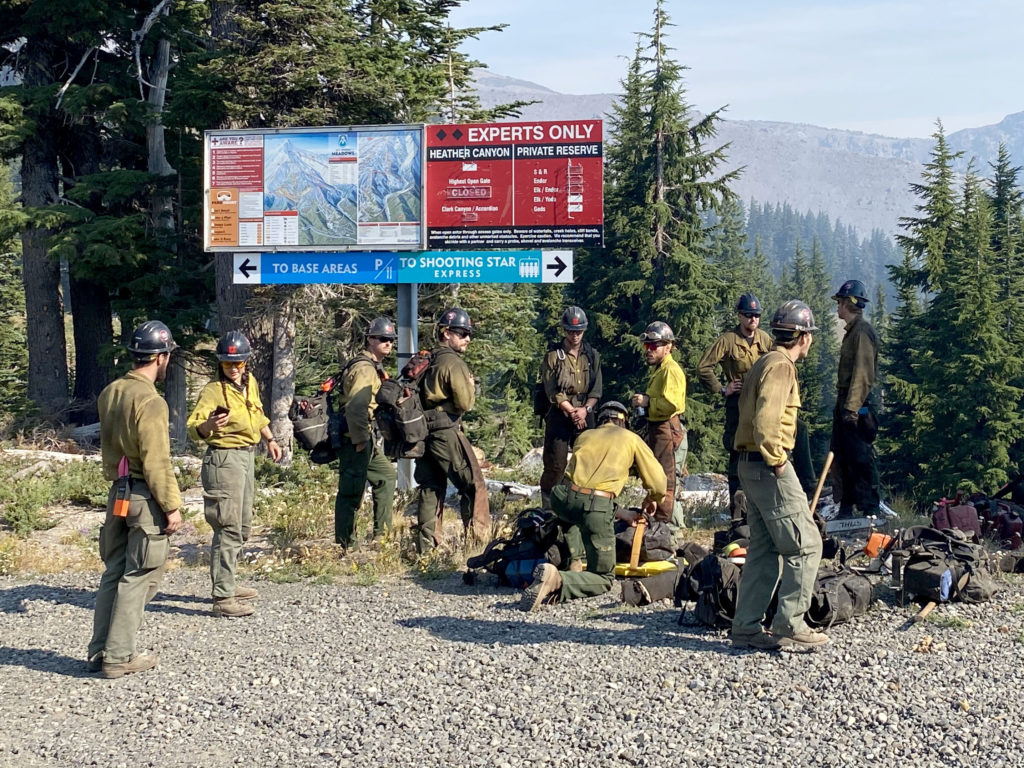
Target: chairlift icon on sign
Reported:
point(529, 267)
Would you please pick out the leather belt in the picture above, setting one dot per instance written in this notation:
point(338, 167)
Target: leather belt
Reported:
point(248, 448)
point(752, 456)
point(592, 491)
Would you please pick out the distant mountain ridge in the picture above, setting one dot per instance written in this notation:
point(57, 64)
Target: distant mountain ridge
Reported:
point(857, 178)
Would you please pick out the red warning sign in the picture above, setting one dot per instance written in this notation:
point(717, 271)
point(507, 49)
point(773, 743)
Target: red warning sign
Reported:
point(514, 185)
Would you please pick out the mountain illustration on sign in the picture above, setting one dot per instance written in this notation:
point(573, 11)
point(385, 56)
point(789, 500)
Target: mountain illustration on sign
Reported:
point(295, 180)
point(388, 188)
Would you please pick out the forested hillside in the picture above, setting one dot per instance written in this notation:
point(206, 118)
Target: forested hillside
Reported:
point(103, 124)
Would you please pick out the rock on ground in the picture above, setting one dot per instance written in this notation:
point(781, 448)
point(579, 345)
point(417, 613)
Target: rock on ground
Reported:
point(437, 673)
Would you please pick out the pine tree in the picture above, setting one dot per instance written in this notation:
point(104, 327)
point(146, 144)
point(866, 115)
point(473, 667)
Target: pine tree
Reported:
point(13, 347)
point(1007, 204)
point(661, 176)
point(969, 414)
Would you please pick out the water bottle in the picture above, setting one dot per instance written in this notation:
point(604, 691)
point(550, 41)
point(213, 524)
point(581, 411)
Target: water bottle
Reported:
point(945, 585)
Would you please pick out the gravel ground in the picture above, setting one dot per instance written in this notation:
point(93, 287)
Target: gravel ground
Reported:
point(436, 673)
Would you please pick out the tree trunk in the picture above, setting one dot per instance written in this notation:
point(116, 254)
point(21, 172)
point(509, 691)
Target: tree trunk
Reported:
point(93, 335)
point(164, 222)
point(174, 393)
point(282, 387)
point(44, 317)
point(89, 300)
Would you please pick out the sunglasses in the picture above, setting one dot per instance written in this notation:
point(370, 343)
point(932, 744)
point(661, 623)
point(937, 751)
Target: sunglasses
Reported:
point(749, 315)
point(384, 340)
point(653, 345)
point(229, 364)
point(459, 333)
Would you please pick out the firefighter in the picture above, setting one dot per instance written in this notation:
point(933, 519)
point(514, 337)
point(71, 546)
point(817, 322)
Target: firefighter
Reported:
point(854, 422)
point(571, 374)
point(736, 350)
point(585, 500)
point(448, 391)
point(665, 404)
point(785, 546)
point(134, 541)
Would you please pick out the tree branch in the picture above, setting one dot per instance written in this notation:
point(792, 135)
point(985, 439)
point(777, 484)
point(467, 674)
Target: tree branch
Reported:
point(138, 36)
point(64, 88)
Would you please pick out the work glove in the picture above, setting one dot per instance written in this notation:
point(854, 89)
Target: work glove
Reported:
point(850, 418)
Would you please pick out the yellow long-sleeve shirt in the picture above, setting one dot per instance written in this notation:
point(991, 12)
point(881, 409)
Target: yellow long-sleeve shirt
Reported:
point(134, 424)
point(245, 421)
point(602, 457)
point(769, 402)
point(667, 390)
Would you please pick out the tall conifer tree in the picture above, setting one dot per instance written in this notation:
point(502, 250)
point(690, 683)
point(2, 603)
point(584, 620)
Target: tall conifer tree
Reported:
point(662, 174)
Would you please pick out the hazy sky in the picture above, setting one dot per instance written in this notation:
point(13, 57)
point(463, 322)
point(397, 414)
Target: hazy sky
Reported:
point(881, 66)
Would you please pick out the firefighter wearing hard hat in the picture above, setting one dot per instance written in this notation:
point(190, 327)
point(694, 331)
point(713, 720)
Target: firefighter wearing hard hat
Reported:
point(229, 417)
point(735, 351)
point(665, 404)
point(854, 422)
point(571, 375)
point(785, 546)
point(143, 504)
point(585, 502)
point(361, 454)
point(448, 391)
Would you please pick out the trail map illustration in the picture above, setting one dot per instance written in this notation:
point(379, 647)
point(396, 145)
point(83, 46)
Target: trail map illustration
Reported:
point(314, 190)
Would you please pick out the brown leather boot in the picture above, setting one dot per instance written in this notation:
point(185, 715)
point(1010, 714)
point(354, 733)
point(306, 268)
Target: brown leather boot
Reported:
point(231, 607)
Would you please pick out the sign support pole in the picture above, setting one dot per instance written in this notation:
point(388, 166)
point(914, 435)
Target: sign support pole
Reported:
point(408, 341)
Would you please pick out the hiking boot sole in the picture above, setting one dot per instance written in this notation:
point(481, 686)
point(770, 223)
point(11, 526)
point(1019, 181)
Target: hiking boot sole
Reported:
point(545, 582)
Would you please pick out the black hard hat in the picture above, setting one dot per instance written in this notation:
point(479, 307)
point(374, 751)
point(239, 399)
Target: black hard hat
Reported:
point(853, 289)
point(233, 347)
point(455, 317)
point(613, 410)
point(792, 318)
point(749, 304)
point(657, 331)
point(151, 338)
point(574, 319)
point(382, 328)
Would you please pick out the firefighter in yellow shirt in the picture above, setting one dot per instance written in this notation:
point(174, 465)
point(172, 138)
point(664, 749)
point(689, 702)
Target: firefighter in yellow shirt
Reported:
point(665, 403)
point(600, 465)
point(229, 417)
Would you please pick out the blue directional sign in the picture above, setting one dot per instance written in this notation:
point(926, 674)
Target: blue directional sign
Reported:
point(379, 267)
point(339, 267)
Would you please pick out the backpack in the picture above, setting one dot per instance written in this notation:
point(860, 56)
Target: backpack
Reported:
point(950, 513)
point(936, 563)
point(399, 414)
point(714, 584)
point(541, 404)
point(316, 423)
point(838, 596)
point(656, 545)
point(535, 538)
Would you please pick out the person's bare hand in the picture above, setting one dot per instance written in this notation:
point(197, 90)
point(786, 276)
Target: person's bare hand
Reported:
point(173, 521)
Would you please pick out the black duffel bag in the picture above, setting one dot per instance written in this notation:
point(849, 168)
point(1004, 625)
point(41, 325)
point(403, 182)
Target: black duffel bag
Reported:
point(838, 596)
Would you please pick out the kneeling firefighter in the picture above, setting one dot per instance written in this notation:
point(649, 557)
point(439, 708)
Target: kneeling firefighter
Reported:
point(600, 465)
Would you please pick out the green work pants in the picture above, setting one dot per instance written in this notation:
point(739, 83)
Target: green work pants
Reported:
point(594, 518)
point(443, 460)
point(228, 488)
point(134, 550)
point(355, 470)
point(784, 550)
